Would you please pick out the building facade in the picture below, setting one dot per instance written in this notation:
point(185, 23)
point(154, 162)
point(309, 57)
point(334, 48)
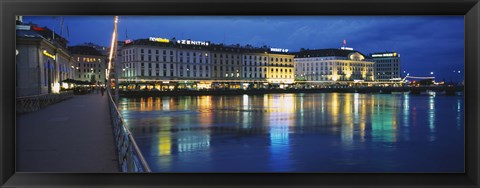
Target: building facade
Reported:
point(144, 60)
point(226, 66)
point(280, 69)
point(187, 64)
point(90, 64)
point(333, 65)
point(387, 66)
point(43, 62)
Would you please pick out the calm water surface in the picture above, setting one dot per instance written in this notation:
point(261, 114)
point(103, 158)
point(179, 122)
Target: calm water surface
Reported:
point(325, 132)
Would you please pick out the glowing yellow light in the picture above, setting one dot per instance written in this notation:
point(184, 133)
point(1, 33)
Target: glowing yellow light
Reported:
point(49, 54)
point(155, 39)
point(56, 88)
point(164, 145)
point(65, 85)
point(334, 77)
point(348, 75)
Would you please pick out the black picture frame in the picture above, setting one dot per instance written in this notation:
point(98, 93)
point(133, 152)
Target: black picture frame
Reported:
point(9, 8)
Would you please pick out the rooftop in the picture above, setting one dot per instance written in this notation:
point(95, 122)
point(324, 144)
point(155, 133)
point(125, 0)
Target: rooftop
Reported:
point(206, 45)
point(330, 52)
point(84, 50)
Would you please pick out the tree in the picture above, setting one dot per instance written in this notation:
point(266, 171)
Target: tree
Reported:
point(93, 80)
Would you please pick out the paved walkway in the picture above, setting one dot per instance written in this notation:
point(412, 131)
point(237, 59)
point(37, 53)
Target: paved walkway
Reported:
point(74, 135)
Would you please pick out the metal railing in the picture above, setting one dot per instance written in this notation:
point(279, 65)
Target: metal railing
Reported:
point(37, 102)
point(130, 157)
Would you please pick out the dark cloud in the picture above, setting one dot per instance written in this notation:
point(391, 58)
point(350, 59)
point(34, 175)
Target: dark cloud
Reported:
point(426, 43)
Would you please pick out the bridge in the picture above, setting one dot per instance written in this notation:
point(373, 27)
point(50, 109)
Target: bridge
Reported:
point(82, 133)
point(75, 133)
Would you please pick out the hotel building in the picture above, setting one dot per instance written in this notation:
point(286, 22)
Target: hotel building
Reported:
point(146, 61)
point(193, 66)
point(387, 66)
point(255, 68)
point(90, 64)
point(186, 64)
point(226, 66)
point(333, 65)
point(280, 69)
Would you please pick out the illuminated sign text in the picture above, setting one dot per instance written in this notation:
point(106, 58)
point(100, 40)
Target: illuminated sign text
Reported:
point(193, 42)
point(278, 50)
point(48, 54)
point(385, 55)
point(157, 39)
point(346, 48)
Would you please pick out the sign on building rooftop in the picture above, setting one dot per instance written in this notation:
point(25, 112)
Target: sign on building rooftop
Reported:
point(278, 50)
point(193, 42)
point(158, 39)
point(394, 54)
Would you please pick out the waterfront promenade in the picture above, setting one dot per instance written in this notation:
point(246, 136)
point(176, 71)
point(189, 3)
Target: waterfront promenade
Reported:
point(74, 135)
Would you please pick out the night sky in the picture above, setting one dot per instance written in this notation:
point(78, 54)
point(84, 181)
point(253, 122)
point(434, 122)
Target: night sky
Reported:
point(426, 43)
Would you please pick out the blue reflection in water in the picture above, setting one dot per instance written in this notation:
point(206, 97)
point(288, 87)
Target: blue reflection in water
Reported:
point(279, 148)
point(324, 132)
point(431, 117)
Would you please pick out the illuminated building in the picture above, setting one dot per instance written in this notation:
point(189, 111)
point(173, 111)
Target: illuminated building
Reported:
point(187, 64)
point(193, 63)
point(43, 61)
point(90, 64)
point(268, 66)
point(255, 68)
point(333, 65)
point(145, 60)
point(280, 68)
point(387, 66)
point(226, 65)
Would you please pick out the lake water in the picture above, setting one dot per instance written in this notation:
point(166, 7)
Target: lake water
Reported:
point(323, 132)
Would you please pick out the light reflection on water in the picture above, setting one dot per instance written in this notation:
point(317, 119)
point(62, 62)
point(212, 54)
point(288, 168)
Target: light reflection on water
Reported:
point(325, 132)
